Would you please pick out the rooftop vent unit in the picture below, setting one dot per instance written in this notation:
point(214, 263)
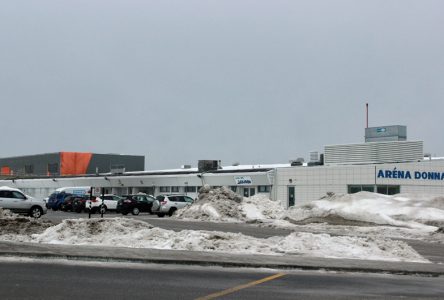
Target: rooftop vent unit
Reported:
point(314, 156)
point(298, 162)
point(117, 169)
point(319, 162)
point(386, 133)
point(186, 166)
point(208, 165)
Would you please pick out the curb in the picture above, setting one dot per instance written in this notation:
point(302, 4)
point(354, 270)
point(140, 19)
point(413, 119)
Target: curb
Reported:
point(207, 262)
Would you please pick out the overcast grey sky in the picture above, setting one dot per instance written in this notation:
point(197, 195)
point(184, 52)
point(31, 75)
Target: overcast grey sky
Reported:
point(246, 81)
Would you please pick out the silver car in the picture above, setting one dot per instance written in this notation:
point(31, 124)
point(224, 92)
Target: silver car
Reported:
point(168, 204)
point(17, 202)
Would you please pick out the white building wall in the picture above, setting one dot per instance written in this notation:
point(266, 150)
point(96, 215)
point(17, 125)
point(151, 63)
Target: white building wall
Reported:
point(312, 183)
point(133, 184)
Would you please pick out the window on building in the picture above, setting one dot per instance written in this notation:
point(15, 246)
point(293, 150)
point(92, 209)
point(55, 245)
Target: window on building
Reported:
point(263, 189)
point(233, 188)
point(394, 189)
point(380, 189)
point(368, 188)
point(359, 188)
point(174, 189)
point(53, 168)
point(388, 189)
point(164, 189)
point(29, 169)
point(190, 189)
point(354, 189)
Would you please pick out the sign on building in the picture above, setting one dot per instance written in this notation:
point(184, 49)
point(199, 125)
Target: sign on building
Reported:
point(243, 180)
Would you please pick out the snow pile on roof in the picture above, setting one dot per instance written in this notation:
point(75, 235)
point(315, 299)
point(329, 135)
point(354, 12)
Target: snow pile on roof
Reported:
point(125, 232)
point(364, 208)
point(220, 204)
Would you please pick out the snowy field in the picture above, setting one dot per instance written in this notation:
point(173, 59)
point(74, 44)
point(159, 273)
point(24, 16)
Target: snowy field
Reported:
point(358, 226)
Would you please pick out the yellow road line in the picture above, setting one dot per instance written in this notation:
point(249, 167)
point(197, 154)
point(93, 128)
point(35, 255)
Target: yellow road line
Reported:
point(240, 287)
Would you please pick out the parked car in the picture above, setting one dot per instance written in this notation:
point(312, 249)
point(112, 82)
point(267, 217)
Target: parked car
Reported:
point(168, 204)
point(67, 203)
point(78, 204)
point(109, 203)
point(16, 201)
point(135, 204)
point(56, 200)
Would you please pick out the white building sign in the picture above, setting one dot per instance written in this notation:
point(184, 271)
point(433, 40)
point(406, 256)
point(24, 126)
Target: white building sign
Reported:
point(243, 180)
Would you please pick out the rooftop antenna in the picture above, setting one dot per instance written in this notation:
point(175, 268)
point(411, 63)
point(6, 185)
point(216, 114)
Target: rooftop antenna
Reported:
point(366, 110)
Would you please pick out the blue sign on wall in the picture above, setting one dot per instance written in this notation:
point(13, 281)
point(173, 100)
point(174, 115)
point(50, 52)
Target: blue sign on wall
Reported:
point(415, 175)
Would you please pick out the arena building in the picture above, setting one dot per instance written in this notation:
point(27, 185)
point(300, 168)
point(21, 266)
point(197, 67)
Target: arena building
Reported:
point(386, 163)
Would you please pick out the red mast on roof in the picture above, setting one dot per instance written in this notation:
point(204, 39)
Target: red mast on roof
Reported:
point(366, 108)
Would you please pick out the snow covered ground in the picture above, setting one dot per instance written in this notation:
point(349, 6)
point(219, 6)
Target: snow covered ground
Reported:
point(125, 232)
point(361, 214)
point(358, 226)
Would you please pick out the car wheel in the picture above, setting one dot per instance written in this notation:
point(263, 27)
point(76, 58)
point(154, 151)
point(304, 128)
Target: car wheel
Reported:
point(135, 211)
point(36, 212)
point(172, 210)
point(160, 215)
point(103, 209)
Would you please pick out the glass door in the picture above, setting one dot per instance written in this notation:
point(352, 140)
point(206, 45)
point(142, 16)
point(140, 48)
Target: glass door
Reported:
point(291, 196)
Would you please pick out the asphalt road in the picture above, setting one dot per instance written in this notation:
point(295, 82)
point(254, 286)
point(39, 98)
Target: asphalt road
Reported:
point(54, 280)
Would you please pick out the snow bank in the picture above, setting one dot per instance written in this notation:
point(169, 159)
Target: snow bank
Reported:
point(260, 207)
point(223, 205)
point(220, 204)
point(14, 224)
point(125, 232)
point(6, 213)
point(364, 208)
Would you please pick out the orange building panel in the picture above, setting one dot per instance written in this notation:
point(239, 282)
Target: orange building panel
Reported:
point(74, 163)
point(6, 171)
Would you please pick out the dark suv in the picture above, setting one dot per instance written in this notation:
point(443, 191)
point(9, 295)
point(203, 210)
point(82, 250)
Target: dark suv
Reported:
point(135, 204)
point(71, 202)
point(56, 200)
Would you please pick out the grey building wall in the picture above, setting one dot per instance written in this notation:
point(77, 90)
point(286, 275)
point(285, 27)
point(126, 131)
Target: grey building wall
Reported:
point(31, 164)
point(37, 165)
point(104, 163)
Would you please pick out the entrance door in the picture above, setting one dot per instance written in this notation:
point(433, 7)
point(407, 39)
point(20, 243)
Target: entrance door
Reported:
point(291, 194)
point(248, 192)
